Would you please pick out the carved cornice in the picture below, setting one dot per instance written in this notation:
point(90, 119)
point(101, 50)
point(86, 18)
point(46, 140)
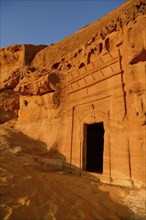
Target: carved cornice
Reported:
point(94, 72)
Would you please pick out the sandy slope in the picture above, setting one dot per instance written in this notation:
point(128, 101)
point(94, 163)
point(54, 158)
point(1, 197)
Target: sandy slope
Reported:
point(30, 192)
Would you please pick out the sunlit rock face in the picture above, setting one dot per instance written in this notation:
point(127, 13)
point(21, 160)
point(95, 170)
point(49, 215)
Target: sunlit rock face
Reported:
point(93, 77)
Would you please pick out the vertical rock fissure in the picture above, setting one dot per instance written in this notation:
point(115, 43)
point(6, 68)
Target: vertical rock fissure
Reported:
point(123, 84)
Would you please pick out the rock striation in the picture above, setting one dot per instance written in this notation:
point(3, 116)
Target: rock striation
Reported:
point(87, 90)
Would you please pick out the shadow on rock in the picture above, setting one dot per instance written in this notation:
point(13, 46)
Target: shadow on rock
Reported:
point(30, 191)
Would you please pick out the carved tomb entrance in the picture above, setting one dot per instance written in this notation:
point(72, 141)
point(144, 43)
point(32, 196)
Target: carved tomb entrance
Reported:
point(93, 147)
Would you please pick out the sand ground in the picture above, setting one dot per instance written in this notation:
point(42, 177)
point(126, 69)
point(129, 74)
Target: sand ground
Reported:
point(31, 192)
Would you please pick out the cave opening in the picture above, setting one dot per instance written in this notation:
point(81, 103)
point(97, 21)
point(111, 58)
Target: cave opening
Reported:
point(93, 147)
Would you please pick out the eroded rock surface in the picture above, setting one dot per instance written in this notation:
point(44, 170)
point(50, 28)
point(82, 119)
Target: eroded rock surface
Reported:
point(9, 105)
point(96, 75)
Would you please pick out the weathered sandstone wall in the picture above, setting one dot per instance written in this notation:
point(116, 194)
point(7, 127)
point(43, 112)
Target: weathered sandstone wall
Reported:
point(13, 68)
point(110, 88)
point(96, 75)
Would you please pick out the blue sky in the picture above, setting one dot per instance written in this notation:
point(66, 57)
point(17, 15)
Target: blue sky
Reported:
point(45, 21)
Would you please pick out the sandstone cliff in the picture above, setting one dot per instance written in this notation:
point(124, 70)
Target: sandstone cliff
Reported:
point(39, 85)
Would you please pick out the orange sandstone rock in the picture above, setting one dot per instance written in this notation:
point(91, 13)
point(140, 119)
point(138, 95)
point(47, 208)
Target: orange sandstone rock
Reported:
point(86, 94)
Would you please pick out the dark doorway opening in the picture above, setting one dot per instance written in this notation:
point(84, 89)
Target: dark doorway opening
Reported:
point(94, 147)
